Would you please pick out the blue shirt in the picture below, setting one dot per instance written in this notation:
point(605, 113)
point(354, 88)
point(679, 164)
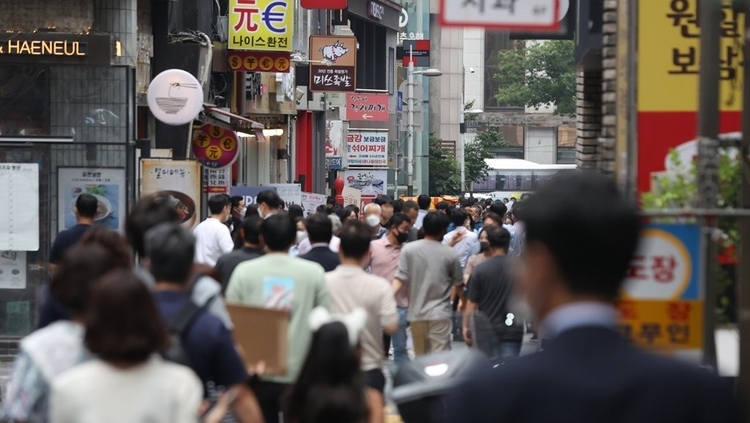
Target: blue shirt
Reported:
point(207, 342)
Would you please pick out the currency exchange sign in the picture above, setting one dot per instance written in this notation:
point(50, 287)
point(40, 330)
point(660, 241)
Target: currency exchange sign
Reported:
point(261, 25)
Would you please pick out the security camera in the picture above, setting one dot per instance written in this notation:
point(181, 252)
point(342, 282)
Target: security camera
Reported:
point(471, 70)
point(298, 94)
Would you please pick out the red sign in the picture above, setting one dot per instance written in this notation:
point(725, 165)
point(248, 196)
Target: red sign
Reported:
point(370, 107)
point(215, 147)
point(324, 4)
point(256, 61)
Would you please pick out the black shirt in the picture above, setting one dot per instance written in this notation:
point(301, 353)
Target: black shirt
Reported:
point(65, 240)
point(491, 287)
point(228, 262)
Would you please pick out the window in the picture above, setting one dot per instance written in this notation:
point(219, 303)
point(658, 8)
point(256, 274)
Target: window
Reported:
point(24, 101)
point(371, 55)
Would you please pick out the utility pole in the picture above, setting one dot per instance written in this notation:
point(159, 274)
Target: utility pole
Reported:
point(708, 161)
point(743, 264)
point(410, 124)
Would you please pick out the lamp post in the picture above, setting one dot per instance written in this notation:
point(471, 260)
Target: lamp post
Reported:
point(410, 118)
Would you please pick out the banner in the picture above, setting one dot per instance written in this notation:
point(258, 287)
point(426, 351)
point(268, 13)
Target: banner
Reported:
point(311, 202)
point(367, 148)
point(106, 184)
point(177, 181)
point(369, 182)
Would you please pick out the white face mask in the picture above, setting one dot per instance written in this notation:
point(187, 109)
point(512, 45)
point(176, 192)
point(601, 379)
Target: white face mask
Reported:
point(301, 236)
point(260, 211)
point(373, 220)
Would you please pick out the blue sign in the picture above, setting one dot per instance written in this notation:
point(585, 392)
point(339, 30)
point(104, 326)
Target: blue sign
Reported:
point(334, 163)
point(400, 102)
point(249, 193)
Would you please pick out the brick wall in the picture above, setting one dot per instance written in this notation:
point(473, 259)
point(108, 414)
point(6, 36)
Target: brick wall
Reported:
point(588, 118)
point(65, 15)
point(609, 88)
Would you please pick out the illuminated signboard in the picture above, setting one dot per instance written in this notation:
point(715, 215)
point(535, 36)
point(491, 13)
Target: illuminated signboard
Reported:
point(53, 48)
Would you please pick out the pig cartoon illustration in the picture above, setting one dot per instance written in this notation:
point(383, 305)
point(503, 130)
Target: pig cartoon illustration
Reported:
point(334, 51)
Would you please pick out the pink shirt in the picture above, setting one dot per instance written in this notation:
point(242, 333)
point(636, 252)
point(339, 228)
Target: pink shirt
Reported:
point(384, 263)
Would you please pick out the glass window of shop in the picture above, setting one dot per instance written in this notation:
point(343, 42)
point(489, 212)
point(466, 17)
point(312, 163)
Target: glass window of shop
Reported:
point(371, 56)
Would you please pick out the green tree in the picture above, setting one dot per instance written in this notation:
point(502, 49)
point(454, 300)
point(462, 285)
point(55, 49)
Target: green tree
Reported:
point(444, 170)
point(483, 147)
point(541, 73)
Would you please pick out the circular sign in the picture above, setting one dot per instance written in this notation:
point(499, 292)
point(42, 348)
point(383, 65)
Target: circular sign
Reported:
point(266, 63)
point(235, 62)
point(251, 63)
point(660, 270)
point(281, 64)
point(215, 147)
point(175, 97)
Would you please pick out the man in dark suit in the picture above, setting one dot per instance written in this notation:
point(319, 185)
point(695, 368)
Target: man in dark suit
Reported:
point(580, 237)
point(320, 232)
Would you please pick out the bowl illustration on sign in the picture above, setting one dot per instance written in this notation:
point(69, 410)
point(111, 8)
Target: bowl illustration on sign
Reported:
point(173, 104)
point(181, 202)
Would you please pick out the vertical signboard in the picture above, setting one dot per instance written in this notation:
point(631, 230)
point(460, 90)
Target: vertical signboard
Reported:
point(668, 67)
point(261, 25)
point(333, 66)
point(334, 144)
point(367, 148)
point(175, 181)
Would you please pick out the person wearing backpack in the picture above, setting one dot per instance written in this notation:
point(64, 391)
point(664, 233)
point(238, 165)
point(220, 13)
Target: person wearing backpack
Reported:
point(200, 340)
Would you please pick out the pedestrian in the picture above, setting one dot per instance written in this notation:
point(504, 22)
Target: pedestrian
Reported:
point(127, 380)
point(269, 203)
point(252, 248)
point(85, 212)
point(588, 372)
point(237, 203)
point(330, 387)
point(430, 287)
point(278, 280)
point(476, 259)
point(411, 209)
point(212, 236)
point(348, 212)
point(423, 201)
point(352, 288)
point(373, 218)
point(206, 340)
point(492, 290)
point(386, 209)
point(320, 233)
point(305, 246)
point(468, 245)
point(385, 254)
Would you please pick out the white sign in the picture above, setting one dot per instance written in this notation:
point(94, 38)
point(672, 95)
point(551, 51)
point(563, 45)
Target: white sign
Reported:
point(311, 202)
point(175, 97)
point(352, 196)
point(290, 193)
point(369, 182)
point(367, 148)
point(411, 36)
point(19, 207)
point(334, 138)
point(501, 14)
point(12, 269)
point(217, 181)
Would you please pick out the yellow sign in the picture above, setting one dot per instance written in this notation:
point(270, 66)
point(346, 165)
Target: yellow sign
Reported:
point(669, 56)
point(261, 25)
point(663, 325)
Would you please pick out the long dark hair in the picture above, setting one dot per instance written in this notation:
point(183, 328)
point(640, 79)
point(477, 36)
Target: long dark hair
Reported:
point(330, 388)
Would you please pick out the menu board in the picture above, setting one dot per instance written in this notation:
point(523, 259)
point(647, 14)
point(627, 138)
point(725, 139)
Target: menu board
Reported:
point(19, 207)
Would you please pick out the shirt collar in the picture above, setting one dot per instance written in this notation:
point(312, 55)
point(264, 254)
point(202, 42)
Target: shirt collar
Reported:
point(575, 315)
point(320, 244)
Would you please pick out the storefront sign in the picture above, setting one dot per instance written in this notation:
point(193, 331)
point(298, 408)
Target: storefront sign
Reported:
point(175, 97)
point(215, 147)
point(333, 63)
point(253, 61)
point(662, 300)
point(334, 163)
point(537, 15)
point(177, 182)
point(368, 182)
point(56, 48)
point(261, 25)
point(19, 207)
point(324, 4)
point(106, 184)
point(250, 194)
point(311, 202)
point(418, 51)
point(371, 107)
point(367, 148)
point(375, 10)
point(352, 196)
point(217, 181)
point(667, 64)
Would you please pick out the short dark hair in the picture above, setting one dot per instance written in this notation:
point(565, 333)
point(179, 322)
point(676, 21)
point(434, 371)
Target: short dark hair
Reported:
point(355, 239)
point(81, 268)
point(398, 219)
point(495, 217)
point(382, 200)
point(123, 323)
point(147, 213)
point(87, 205)
point(111, 241)
point(518, 210)
point(251, 229)
point(235, 200)
point(498, 237)
point(604, 230)
point(217, 203)
point(409, 206)
point(279, 231)
point(435, 223)
point(458, 217)
point(270, 198)
point(398, 205)
point(443, 205)
point(295, 211)
point(346, 211)
point(424, 201)
point(170, 250)
point(319, 229)
point(252, 210)
point(499, 208)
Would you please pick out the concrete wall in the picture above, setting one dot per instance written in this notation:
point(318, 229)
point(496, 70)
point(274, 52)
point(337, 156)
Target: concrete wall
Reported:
point(473, 58)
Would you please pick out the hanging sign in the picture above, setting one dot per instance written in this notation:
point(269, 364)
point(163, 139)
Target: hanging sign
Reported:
point(215, 147)
point(372, 107)
point(255, 61)
point(333, 66)
point(175, 97)
point(367, 148)
point(261, 25)
point(217, 181)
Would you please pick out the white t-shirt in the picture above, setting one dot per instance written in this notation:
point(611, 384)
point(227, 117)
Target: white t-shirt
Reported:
point(156, 392)
point(212, 240)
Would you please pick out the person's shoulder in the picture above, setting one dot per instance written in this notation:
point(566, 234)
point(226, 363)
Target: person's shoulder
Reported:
point(305, 266)
point(75, 377)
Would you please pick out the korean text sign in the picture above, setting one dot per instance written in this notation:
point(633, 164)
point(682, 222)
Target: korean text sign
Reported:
point(367, 148)
point(175, 181)
point(668, 68)
point(333, 66)
point(261, 25)
point(662, 303)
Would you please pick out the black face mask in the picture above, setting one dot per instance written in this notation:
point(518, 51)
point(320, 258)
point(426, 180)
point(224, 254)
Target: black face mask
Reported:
point(484, 246)
point(401, 238)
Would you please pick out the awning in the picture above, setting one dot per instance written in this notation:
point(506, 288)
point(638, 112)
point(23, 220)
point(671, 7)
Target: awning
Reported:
point(216, 116)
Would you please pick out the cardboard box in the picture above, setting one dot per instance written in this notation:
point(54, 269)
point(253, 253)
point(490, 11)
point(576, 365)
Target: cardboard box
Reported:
point(262, 334)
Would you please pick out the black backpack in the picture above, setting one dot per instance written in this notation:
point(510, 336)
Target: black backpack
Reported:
point(179, 325)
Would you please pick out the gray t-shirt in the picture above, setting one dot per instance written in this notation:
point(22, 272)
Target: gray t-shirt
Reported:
point(430, 269)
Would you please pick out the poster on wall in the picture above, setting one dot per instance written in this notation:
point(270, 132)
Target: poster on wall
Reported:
point(367, 148)
point(369, 182)
point(12, 269)
point(19, 207)
point(177, 181)
point(107, 185)
point(290, 193)
point(311, 202)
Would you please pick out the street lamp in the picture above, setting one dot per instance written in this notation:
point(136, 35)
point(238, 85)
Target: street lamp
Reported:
point(462, 127)
point(410, 122)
